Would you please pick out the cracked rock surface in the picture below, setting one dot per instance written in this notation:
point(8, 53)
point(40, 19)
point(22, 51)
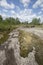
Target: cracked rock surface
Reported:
point(10, 52)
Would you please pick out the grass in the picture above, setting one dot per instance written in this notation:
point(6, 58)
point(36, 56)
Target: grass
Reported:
point(27, 41)
point(5, 30)
point(4, 38)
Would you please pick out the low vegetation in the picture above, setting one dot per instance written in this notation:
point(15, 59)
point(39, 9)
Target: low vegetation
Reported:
point(27, 42)
point(4, 37)
point(6, 26)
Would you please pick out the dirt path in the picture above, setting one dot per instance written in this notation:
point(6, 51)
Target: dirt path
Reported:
point(10, 52)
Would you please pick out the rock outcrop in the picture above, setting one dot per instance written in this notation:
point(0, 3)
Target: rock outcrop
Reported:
point(10, 52)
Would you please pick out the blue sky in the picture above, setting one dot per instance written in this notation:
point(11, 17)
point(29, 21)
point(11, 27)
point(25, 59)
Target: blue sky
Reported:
point(25, 10)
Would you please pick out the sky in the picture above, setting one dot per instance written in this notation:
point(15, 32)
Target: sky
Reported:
point(25, 10)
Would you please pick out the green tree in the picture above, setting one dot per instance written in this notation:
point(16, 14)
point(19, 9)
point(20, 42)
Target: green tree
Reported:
point(17, 21)
point(35, 21)
point(1, 19)
point(10, 20)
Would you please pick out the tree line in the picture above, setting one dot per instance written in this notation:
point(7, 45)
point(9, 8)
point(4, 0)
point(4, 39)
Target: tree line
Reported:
point(8, 24)
point(9, 20)
point(13, 21)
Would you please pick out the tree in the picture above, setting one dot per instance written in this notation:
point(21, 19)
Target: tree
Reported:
point(17, 21)
point(35, 21)
point(1, 19)
point(26, 22)
point(10, 20)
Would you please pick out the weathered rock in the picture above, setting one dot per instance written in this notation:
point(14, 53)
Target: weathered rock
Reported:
point(11, 53)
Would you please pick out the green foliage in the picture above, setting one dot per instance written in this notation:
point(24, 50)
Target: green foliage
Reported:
point(35, 21)
point(17, 21)
point(4, 38)
point(7, 26)
point(1, 18)
point(26, 22)
point(11, 20)
point(8, 23)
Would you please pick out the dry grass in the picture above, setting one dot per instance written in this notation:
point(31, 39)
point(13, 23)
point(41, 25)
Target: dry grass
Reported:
point(27, 41)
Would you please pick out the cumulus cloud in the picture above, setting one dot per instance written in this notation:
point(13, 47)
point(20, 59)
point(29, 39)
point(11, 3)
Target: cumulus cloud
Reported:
point(4, 4)
point(12, 11)
point(42, 9)
point(25, 2)
point(26, 11)
point(23, 15)
point(3, 15)
point(17, 8)
point(38, 3)
point(26, 15)
point(5, 10)
point(40, 12)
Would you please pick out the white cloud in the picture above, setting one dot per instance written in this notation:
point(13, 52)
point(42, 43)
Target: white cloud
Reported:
point(26, 11)
point(40, 12)
point(4, 4)
point(17, 8)
point(38, 3)
point(3, 15)
point(12, 12)
point(25, 2)
point(42, 9)
point(23, 15)
point(5, 10)
point(26, 15)
point(42, 5)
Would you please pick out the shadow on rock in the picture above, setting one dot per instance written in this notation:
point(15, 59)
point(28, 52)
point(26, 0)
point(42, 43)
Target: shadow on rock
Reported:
point(10, 59)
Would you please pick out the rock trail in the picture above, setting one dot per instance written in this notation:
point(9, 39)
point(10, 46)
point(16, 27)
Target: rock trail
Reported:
point(10, 52)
